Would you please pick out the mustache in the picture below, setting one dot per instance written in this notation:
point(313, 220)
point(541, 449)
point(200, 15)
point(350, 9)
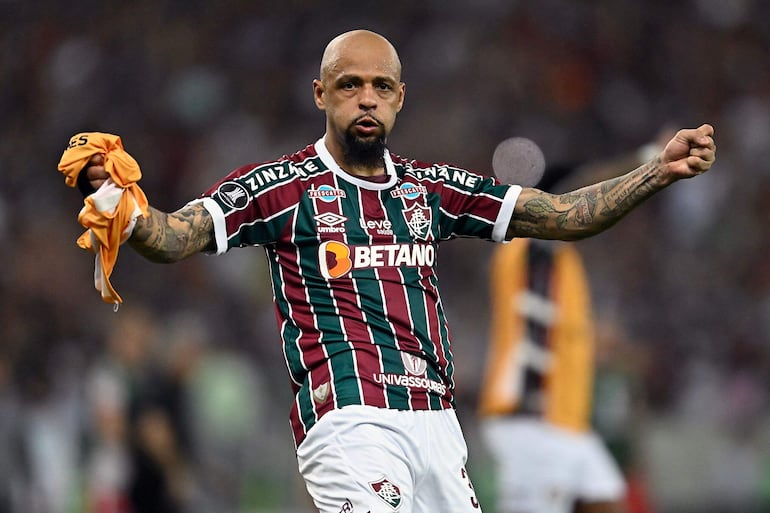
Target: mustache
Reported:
point(368, 117)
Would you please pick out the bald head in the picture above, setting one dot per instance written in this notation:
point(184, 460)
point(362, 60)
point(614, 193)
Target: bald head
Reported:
point(361, 92)
point(356, 44)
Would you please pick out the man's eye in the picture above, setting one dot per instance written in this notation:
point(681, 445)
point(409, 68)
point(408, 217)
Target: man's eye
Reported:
point(348, 86)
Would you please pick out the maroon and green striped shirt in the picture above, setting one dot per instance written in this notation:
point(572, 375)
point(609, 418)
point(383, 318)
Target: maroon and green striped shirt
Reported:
point(352, 263)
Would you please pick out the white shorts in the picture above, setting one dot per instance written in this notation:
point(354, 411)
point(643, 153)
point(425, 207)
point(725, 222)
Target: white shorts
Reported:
point(361, 459)
point(545, 469)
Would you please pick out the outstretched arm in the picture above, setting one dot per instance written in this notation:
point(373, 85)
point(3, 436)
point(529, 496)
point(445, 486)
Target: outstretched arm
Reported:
point(163, 237)
point(592, 209)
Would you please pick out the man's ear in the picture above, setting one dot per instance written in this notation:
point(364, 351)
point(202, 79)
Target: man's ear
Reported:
point(319, 94)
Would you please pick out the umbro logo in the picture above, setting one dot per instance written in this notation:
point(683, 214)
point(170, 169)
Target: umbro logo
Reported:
point(330, 219)
point(329, 222)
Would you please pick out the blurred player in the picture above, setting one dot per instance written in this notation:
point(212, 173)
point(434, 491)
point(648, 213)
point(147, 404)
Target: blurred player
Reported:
point(351, 232)
point(535, 403)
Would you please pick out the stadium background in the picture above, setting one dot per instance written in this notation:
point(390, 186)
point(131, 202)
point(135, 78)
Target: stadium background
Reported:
point(196, 88)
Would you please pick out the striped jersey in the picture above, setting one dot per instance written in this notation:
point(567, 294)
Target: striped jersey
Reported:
point(541, 353)
point(352, 264)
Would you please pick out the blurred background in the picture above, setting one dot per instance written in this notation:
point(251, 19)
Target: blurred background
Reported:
point(179, 401)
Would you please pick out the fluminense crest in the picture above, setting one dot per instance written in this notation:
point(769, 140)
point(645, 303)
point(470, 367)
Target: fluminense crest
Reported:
point(418, 219)
point(388, 492)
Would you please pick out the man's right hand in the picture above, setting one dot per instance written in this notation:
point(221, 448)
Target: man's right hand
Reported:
point(94, 171)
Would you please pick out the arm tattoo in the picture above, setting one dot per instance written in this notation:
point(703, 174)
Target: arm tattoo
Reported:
point(163, 237)
point(584, 212)
point(621, 195)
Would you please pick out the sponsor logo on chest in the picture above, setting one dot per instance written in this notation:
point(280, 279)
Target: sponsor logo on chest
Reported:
point(409, 191)
point(415, 376)
point(336, 259)
point(330, 222)
point(377, 226)
point(326, 193)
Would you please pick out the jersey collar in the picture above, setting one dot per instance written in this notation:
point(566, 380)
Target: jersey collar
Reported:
point(328, 160)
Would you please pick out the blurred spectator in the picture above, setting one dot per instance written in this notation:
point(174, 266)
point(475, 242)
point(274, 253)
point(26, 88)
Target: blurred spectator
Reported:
point(10, 463)
point(49, 429)
point(216, 404)
point(138, 463)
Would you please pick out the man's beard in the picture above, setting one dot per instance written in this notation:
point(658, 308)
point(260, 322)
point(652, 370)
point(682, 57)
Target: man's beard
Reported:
point(367, 153)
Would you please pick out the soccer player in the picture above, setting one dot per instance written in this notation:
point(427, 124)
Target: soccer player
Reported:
point(351, 232)
point(535, 402)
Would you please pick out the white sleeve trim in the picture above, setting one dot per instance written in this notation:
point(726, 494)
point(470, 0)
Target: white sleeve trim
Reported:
point(218, 216)
point(505, 214)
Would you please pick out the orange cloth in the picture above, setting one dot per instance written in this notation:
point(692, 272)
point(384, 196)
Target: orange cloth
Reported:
point(110, 213)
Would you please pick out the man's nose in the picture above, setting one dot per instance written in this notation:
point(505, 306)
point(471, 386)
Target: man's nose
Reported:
point(367, 98)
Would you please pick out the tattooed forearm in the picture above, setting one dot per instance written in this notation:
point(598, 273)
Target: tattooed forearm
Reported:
point(621, 195)
point(584, 212)
point(165, 237)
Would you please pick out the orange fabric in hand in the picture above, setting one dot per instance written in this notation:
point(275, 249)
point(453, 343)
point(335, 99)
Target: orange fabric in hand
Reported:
point(108, 214)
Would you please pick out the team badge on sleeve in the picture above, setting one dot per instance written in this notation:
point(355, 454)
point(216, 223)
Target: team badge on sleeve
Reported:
point(234, 195)
point(388, 492)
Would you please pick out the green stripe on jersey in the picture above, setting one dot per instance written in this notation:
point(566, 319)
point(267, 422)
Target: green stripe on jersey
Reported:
point(345, 376)
point(398, 396)
point(305, 400)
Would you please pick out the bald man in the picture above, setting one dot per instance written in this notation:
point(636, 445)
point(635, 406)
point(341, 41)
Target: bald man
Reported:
point(351, 233)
